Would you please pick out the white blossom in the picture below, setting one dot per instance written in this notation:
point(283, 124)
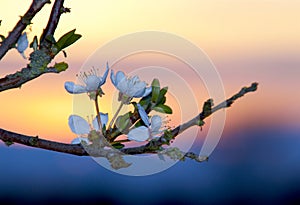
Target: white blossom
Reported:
point(131, 87)
point(151, 129)
point(91, 81)
point(80, 126)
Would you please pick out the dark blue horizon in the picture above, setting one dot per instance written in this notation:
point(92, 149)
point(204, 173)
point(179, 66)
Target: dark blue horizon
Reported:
point(256, 166)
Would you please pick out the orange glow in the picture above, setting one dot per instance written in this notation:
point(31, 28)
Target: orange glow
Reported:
point(254, 41)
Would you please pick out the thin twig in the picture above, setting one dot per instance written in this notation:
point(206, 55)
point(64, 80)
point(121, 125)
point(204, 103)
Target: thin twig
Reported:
point(195, 157)
point(155, 144)
point(115, 116)
point(17, 79)
point(25, 20)
point(56, 12)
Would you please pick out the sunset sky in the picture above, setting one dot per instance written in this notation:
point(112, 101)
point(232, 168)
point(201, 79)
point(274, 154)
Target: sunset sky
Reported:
point(247, 41)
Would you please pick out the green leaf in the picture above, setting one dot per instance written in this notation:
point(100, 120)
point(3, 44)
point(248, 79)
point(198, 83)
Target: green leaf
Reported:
point(118, 145)
point(34, 43)
point(200, 123)
point(168, 136)
point(50, 39)
point(63, 39)
point(155, 90)
point(163, 109)
point(163, 101)
point(8, 143)
point(139, 123)
point(207, 107)
point(145, 102)
point(122, 122)
point(62, 66)
point(161, 97)
point(67, 39)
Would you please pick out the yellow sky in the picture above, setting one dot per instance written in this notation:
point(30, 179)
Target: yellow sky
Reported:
point(240, 25)
point(255, 40)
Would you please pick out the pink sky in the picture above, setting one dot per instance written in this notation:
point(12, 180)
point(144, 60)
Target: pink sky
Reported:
point(247, 42)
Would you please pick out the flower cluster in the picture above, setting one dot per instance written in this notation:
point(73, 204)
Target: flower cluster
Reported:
point(137, 125)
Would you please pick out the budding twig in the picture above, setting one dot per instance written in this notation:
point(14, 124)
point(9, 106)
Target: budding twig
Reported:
point(31, 72)
point(25, 20)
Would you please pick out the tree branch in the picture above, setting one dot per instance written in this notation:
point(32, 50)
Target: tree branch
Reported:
point(41, 58)
point(56, 12)
point(35, 141)
point(167, 137)
point(25, 20)
point(17, 79)
point(195, 157)
point(150, 147)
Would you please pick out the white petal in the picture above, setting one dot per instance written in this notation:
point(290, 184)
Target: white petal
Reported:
point(95, 124)
point(104, 119)
point(92, 82)
point(131, 87)
point(123, 86)
point(147, 91)
point(78, 140)
point(22, 43)
point(112, 77)
point(103, 78)
point(138, 89)
point(119, 76)
point(143, 115)
point(73, 88)
point(135, 79)
point(116, 79)
point(139, 134)
point(138, 93)
point(78, 125)
point(156, 123)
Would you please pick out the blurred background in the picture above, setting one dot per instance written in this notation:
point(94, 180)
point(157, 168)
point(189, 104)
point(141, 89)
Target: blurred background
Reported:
point(257, 159)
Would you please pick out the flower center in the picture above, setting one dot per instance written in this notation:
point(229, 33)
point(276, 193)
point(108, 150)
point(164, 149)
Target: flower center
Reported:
point(91, 79)
point(92, 83)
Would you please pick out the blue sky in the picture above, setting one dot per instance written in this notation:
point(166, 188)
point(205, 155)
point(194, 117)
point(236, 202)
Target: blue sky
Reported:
point(256, 166)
